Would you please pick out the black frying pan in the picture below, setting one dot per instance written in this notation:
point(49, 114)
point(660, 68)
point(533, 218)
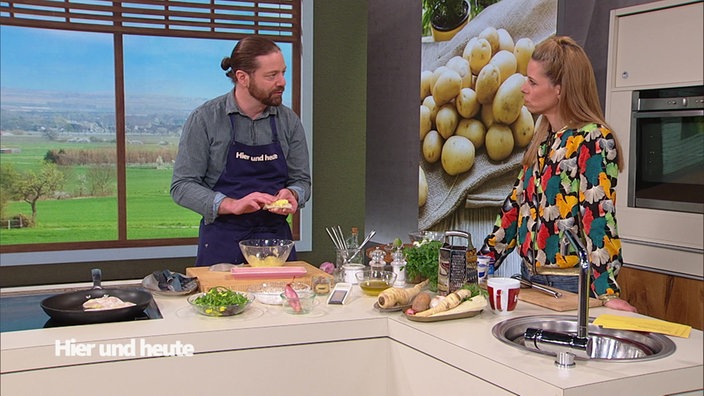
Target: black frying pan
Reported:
point(68, 307)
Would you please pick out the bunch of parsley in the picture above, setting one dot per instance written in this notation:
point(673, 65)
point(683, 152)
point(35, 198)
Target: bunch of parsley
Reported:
point(422, 260)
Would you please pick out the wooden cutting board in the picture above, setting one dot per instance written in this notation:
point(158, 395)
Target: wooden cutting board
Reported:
point(209, 279)
point(568, 301)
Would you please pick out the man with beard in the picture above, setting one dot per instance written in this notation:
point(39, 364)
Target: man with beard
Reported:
point(242, 156)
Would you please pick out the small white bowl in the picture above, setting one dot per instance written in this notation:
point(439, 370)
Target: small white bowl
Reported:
point(270, 292)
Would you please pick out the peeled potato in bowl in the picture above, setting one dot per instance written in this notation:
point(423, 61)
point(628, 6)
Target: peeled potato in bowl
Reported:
point(266, 252)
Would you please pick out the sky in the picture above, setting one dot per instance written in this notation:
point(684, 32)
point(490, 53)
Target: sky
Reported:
point(46, 59)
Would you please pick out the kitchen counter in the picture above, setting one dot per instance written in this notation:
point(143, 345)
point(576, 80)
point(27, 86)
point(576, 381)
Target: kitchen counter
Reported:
point(349, 350)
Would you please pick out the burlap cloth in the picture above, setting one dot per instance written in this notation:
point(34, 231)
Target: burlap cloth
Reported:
point(488, 182)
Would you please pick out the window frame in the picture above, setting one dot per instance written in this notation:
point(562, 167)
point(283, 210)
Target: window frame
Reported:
point(205, 19)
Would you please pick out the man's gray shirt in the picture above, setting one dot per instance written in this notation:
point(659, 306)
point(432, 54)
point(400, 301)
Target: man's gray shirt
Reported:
point(205, 141)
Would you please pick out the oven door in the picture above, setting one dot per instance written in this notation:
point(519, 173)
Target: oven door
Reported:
point(666, 160)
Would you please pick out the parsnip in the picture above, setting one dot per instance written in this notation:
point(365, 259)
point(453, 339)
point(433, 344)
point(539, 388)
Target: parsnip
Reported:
point(394, 296)
point(476, 303)
point(451, 301)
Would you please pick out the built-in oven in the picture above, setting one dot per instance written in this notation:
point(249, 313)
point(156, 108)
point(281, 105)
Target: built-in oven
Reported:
point(666, 153)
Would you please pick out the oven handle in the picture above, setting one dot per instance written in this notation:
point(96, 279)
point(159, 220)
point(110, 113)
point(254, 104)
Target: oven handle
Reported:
point(668, 113)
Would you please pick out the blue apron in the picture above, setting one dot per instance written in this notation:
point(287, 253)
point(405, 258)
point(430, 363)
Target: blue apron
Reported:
point(248, 169)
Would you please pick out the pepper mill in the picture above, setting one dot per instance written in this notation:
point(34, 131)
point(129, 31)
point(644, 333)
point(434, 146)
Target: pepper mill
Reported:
point(398, 264)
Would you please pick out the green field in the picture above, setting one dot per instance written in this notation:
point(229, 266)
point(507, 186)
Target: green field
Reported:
point(151, 213)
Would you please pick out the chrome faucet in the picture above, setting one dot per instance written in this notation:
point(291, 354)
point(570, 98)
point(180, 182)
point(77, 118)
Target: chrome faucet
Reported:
point(559, 343)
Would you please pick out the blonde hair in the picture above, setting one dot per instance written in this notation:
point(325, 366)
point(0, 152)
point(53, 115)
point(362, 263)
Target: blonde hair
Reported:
point(566, 64)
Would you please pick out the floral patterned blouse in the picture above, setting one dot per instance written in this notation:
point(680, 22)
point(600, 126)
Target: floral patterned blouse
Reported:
point(572, 182)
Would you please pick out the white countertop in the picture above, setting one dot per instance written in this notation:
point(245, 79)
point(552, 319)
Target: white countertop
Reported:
point(466, 344)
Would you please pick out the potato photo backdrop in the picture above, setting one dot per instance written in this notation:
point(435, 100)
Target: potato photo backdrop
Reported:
point(474, 127)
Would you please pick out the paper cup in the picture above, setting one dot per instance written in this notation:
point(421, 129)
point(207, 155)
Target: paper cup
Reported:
point(503, 294)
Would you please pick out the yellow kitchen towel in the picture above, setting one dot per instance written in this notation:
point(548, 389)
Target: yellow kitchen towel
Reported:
point(643, 324)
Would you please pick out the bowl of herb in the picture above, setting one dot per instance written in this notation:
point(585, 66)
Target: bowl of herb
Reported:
point(220, 301)
point(422, 262)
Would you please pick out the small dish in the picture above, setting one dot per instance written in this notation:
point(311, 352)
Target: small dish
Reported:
point(374, 281)
point(395, 308)
point(220, 310)
point(270, 292)
point(300, 306)
point(223, 267)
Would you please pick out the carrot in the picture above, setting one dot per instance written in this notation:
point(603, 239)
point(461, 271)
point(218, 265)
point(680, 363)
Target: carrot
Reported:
point(452, 300)
point(395, 296)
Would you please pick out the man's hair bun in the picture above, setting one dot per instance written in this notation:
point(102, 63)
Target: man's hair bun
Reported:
point(225, 63)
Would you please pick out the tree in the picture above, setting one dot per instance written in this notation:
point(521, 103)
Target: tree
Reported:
point(32, 186)
point(8, 175)
point(100, 179)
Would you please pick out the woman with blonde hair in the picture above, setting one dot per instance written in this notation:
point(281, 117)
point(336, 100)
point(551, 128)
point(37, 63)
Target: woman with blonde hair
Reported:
point(567, 181)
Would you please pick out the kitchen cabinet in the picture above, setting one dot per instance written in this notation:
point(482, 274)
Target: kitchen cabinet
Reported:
point(659, 46)
point(672, 298)
point(342, 350)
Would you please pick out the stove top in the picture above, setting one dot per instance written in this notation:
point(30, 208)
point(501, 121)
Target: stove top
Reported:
point(24, 312)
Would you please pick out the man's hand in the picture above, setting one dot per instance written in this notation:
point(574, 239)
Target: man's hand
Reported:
point(288, 195)
point(250, 203)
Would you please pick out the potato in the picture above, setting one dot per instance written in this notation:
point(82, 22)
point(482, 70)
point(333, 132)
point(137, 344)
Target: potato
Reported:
point(457, 155)
point(425, 123)
point(432, 146)
point(447, 119)
point(467, 52)
point(461, 66)
point(421, 302)
point(523, 50)
point(499, 142)
point(488, 82)
point(506, 62)
point(479, 55)
point(509, 100)
point(436, 74)
point(473, 130)
point(523, 128)
point(487, 115)
point(425, 77)
point(466, 103)
point(422, 187)
point(446, 87)
point(492, 36)
point(505, 40)
point(429, 102)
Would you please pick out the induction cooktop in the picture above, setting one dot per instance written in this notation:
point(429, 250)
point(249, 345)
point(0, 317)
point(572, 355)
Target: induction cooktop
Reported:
point(22, 311)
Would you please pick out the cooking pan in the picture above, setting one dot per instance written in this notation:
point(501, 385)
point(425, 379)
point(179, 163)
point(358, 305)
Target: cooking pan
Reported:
point(68, 307)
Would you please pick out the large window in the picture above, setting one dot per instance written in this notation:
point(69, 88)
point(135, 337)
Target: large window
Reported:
point(93, 98)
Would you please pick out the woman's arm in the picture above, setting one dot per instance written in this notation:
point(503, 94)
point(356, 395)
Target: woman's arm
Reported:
point(598, 172)
point(503, 238)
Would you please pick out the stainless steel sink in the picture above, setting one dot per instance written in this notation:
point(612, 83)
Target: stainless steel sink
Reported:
point(605, 344)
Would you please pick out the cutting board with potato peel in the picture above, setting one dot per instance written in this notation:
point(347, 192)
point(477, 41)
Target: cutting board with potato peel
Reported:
point(568, 301)
point(209, 279)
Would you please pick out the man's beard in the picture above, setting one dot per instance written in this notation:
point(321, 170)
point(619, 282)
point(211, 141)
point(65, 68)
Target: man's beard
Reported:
point(266, 98)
